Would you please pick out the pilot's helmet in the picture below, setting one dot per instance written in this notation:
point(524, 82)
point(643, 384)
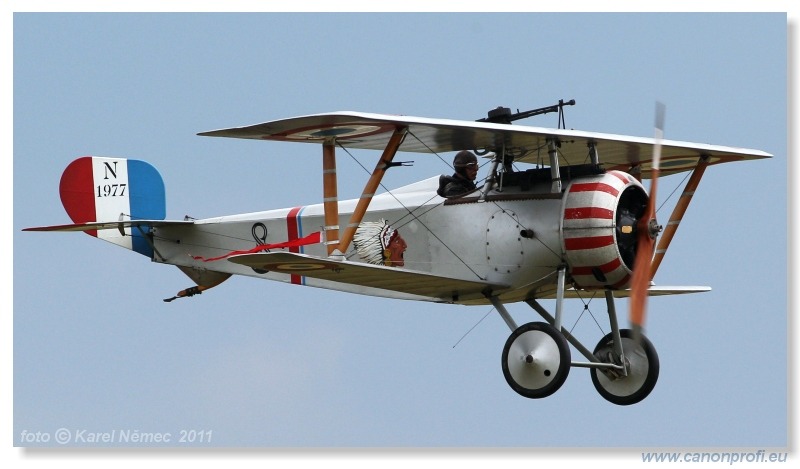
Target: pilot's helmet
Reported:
point(463, 159)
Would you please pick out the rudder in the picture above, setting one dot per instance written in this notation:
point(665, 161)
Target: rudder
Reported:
point(103, 189)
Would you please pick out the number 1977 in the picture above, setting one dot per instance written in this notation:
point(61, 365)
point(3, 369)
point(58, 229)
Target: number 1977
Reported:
point(111, 190)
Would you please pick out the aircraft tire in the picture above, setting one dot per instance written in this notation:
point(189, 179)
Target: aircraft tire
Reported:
point(536, 360)
point(642, 375)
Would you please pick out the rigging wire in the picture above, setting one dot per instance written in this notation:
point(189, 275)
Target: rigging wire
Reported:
point(586, 309)
point(473, 327)
point(411, 212)
point(680, 184)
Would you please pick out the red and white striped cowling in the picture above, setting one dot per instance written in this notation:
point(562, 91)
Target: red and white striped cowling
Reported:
point(589, 230)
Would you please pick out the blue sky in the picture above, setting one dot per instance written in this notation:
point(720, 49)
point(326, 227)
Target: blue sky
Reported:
point(263, 364)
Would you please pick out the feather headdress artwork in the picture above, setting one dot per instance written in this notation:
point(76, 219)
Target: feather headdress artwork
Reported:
point(371, 240)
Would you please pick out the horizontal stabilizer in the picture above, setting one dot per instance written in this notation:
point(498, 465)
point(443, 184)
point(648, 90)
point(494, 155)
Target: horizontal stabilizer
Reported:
point(368, 275)
point(108, 225)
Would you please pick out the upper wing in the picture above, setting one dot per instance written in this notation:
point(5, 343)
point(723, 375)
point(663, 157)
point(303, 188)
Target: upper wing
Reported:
point(368, 275)
point(527, 144)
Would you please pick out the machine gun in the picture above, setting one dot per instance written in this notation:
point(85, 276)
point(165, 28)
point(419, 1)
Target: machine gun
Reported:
point(503, 115)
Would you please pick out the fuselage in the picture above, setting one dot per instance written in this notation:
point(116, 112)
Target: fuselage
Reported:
point(518, 234)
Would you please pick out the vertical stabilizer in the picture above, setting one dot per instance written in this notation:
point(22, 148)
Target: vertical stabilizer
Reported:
point(100, 189)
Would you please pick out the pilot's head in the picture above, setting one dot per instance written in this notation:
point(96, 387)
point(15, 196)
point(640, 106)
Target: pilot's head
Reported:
point(466, 164)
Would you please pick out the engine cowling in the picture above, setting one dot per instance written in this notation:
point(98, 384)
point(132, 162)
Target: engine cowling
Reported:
point(598, 229)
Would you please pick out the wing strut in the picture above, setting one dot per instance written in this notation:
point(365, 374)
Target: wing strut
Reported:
point(370, 188)
point(330, 196)
point(677, 214)
point(555, 172)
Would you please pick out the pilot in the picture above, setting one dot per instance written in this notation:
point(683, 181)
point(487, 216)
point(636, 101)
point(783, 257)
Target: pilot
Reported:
point(463, 180)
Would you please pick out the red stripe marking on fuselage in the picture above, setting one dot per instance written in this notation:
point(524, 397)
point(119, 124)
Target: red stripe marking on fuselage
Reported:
point(606, 268)
point(593, 186)
point(590, 242)
point(624, 177)
point(293, 233)
point(580, 213)
point(622, 282)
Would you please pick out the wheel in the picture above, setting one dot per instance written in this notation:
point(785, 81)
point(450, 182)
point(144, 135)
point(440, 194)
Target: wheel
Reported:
point(642, 363)
point(536, 360)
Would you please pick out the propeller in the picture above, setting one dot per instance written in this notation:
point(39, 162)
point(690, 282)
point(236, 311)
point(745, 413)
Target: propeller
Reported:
point(646, 231)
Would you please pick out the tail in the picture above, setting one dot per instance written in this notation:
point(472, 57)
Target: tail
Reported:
point(106, 198)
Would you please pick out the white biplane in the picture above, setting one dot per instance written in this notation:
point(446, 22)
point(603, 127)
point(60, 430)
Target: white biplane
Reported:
point(561, 212)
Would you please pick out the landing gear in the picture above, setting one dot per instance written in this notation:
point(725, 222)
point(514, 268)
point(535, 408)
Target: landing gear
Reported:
point(536, 360)
point(640, 361)
point(537, 356)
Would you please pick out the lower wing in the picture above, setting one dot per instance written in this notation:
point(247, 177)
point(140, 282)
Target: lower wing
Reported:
point(395, 279)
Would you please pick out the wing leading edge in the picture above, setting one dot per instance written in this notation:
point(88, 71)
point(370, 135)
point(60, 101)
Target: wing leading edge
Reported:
point(528, 144)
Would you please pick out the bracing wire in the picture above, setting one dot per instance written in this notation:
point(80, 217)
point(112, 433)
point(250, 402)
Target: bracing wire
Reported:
point(473, 327)
point(415, 217)
point(680, 184)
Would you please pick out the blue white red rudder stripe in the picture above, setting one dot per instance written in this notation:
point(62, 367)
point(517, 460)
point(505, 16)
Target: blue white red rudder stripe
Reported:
point(100, 189)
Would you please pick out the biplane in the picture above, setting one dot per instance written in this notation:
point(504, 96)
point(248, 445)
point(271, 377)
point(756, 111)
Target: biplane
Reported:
point(561, 213)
